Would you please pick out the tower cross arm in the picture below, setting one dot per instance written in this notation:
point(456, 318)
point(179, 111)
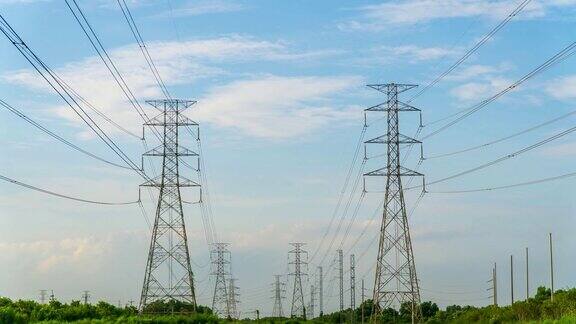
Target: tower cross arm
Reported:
point(399, 87)
point(383, 172)
point(402, 139)
point(385, 106)
point(182, 182)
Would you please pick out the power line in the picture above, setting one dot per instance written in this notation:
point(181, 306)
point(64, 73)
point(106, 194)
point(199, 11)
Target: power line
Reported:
point(103, 54)
point(557, 58)
point(502, 139)
point(472, 50)
point(56, 136)
point(506, 157)
point(138, 37)
point(55, 83)
point(342, 191)
point(521, 184)
point(52, 193)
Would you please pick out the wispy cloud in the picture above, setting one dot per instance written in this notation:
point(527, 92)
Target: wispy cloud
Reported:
point(185, 63)
point(474, 91)
point(277, 107)
point(411, 12)
point(563, 88)
point(196, 8)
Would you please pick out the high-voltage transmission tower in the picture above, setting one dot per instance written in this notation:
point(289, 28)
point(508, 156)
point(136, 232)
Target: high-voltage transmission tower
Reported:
point(221, 256)
point(168, 273)
point(233, 301)
point(341, 278)
point(298, 265)
point(278, 296)
point(395, 280)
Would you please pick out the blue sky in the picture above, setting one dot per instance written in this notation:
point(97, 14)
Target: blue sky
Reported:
point(280, 90)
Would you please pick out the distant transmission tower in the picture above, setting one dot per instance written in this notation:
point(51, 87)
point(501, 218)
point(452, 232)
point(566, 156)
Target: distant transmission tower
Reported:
point(352, 283)
point(168, 273)
point(298, 308)
point(278, 296)
point(221, 264)
point(233, 301)
point(312, 301)
point(43, 294)
point(341, 278)
point(320, 291)
point(85, 296)
point(395, 281)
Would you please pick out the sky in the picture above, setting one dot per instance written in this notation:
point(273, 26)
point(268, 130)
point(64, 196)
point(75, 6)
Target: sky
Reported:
point(281, 91)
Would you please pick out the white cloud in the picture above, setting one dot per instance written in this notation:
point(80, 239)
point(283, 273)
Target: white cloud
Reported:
point(417, 54)
point(196, 8)
point(476, 71)
point(563, 88)
point(184, 63)
point(563, 150)
point(276, 107)
point(410, 12)
point(474, 91)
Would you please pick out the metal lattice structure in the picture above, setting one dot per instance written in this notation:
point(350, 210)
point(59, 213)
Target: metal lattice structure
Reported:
point(320, 291)
point(233, 297)
point(395, 281)
point(298, 309)
point(277, 310)
point(352, 282)
point(311, 307)
point(168, 273)
point(341, 278)
point(221, 256)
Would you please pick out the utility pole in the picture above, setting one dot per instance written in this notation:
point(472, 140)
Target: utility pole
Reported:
point(168, 274)
point(341, 278)
point(278, 296)
point(321, 290)
point(511, 279)
point(85, 296)
point(43, 296)
point(352, 287)
point(551, 269)
point(299, 262)
point(233, 299)
point(52, 298)
point(221, 256)
point(527, 278)
point(312, 302)
point(363, 298)
point(395, 281)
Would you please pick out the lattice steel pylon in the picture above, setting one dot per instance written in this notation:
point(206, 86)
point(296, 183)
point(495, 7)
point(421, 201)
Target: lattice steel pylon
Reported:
point(233, 301)
point(298, 309)
point(341, 278)
point(278, 296)
point(311, 307)
point(168, 273)
point(352, 282)
point(395, 282)
point(221, 256)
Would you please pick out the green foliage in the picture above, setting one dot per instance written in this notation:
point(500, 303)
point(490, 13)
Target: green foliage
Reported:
point(22, 311)
point(539, 309)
